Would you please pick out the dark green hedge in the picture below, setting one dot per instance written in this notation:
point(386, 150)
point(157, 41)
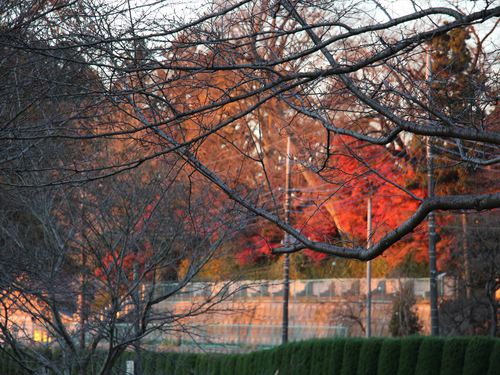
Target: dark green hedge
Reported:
point(341, 356)
point(452, 362)
point(369, 356)
point(408, 355)
point(429, 356)
point(388, 360)
point(319, 356)
point(334, 357)
point(495, 359)
point(477, 356)
point(337, 356)
point(350, 359)
point(8, 366)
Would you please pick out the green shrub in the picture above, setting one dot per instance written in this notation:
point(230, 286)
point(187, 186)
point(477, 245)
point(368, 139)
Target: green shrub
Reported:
point(228, 364)
point(212, 364)
point(166, 364)
point(7, 365)
point(408, 355)
point(186, 363)
point(216, 367)
point(197, 364)
point(223, 361)
point(477, 356)
point(338, 356)
point(352, 349)
point(250, 361)
point(286, 360)
point(495, 359)
point(319, 357)
point(404, 319)
point(284, 356)
point(368, 357)
point(208, 360)
point(334, 356)
point(279, 357)
point(241, 366)
point(452, 361)
point(148, 362)
point(261, 362)
point(265, 363)
point(301, 361)
point(4, 358)
point(429, 356)
point(232, 366)
point(388, 360)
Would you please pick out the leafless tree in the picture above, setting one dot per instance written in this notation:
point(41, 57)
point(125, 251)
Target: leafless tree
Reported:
point(475, 308)
point(92, 268)
point(148, 67)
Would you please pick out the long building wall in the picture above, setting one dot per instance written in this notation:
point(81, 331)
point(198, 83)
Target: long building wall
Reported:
point(348, 315)
point(318, 308)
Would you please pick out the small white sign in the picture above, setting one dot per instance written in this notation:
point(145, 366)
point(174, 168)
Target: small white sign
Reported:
point(130, 368)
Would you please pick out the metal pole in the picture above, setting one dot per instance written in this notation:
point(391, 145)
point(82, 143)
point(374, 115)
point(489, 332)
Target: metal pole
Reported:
point(431, 216)
point(81, 300)
point(369, 269)
point(465, 244)
point(286, 261)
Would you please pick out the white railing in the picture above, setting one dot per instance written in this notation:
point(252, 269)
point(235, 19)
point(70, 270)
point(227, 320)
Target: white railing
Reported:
point(322, 288)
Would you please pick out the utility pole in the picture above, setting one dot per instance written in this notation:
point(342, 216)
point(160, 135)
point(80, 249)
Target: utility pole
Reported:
point(137, 300)
point(431, 219)
point(369, 269)
point(82, 296)
point(82, 303)
point(286, 261)
point(465, 247)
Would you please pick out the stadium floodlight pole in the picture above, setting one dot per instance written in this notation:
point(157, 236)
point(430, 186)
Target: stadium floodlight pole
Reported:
point(431, 219)
point(369, 269)
point(286, 238)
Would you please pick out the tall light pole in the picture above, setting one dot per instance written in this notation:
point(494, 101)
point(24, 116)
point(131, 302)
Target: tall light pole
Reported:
point(466, 257)
point(431, 217)
point(369, 269)
point(286, 261)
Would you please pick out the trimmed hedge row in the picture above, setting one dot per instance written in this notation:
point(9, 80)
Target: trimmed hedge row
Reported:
point(343, 356)
point(337, 356)
point(7, 365)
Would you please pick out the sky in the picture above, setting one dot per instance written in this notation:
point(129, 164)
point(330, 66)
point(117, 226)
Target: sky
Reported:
point(189, 10)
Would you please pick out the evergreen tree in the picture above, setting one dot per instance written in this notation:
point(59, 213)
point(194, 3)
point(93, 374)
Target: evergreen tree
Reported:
point(404, 320)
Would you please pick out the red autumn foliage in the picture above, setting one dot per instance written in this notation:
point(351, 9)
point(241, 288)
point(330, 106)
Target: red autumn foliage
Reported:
point(116, 263)
point(391, 206)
